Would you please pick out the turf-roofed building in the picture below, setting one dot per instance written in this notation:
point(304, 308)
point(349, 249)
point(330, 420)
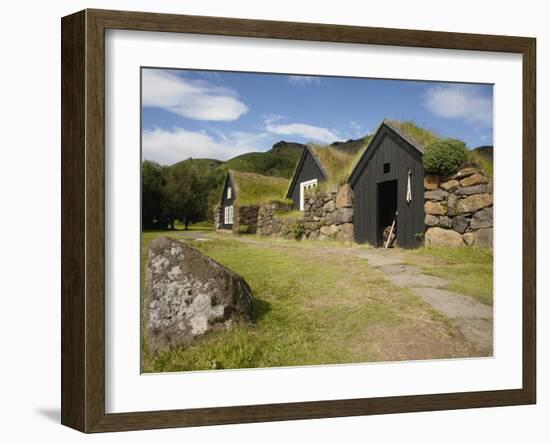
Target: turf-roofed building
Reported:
point(385, 173)
point(243, 194)
point(371, 190)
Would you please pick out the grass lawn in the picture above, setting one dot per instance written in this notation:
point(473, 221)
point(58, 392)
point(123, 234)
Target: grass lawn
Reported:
point(314, 304)
point(468, 269)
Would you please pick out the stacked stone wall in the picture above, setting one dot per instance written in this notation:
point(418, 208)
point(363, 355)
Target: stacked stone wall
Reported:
point(459, 209)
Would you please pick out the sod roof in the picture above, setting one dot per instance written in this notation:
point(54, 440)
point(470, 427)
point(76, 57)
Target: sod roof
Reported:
point(415, 135)
point(254, 189)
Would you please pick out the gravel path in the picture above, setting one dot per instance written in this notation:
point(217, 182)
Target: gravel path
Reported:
point(472, 318)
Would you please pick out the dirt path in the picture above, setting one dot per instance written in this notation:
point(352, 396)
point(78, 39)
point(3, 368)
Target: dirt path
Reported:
point(472, 318)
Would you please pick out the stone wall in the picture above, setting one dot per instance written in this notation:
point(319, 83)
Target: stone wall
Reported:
point(326, 215)
point(270, 223)
point(245, 219)
point(459, 209)
point(329, 215)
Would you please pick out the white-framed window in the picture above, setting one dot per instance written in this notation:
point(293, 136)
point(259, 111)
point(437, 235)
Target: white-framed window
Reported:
point(229, 193)
point(305, 185)
point(228, 215)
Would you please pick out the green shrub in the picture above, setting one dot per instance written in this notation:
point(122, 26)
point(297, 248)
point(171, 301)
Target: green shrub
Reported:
point(444, 157)
point(297, 229)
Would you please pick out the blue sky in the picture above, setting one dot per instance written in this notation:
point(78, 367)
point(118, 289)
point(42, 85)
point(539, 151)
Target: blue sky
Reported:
point(204, 114)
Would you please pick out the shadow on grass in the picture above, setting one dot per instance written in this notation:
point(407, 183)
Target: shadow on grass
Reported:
point(260, 308)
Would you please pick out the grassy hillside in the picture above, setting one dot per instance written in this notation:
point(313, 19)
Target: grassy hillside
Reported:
point(278, 162)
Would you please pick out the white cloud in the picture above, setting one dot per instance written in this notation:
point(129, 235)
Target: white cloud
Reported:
point(272, 118)
point(171, 146)
point(462, 102)
point(357, 128)
point(304, 80)
point(307, 131)
point(196, 99)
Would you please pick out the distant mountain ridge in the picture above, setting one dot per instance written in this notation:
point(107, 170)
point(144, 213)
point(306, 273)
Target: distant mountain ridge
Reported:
point(279, 161)
point(485, 151)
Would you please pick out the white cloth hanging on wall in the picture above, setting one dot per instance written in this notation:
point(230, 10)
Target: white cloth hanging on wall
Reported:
point(409, 189)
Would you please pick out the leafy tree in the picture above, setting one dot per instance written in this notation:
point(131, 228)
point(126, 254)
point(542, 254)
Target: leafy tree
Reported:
point(187, 194)
point(153, 195)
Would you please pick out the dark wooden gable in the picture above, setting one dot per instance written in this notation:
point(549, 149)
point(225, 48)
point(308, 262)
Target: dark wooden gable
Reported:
point(308, 168)
point(389, 157)
point(225, 202)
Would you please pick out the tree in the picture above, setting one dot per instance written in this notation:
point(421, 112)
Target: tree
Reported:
point(153, 196)
point(187, 194)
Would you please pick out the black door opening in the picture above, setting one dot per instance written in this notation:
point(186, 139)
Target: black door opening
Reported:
point(387, 207)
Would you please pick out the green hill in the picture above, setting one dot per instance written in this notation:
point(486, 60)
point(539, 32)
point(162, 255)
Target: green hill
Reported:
point(280, 162)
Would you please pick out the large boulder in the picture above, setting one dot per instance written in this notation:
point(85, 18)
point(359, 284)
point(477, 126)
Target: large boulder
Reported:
point(460, 223)
point(473, 203)
point(434, 208)
point(341, 216)
point(482, 219)
point(483, 238)
point(444, 221)
point(472, 190)
point(329, 231)
point(435, 195)
point(431, 182)
point(431, 220)
point(463, 173)
point(449, 186)
point(329, 206)
point(474, 180)
point(436, 236)
point(345, 232)
point(188, 294)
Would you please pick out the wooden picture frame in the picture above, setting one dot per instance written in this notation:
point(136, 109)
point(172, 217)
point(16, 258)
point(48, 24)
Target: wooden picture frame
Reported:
point(83, 220)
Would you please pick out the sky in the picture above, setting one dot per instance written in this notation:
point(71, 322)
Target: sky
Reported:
point(214, 114)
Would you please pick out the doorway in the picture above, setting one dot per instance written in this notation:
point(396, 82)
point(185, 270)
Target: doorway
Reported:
point(387, 208)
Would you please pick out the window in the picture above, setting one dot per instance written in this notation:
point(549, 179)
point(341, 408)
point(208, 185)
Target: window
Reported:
point(228, 215)
point(386, 167)
point(229, 193)
point(305, 186)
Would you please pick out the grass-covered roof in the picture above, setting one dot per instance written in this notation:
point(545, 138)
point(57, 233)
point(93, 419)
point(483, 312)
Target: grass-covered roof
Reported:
point(254, 189)
point(414, 134)
point(338, 163)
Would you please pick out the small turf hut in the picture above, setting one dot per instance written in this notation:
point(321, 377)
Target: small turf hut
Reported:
point(388, 185)
point(322, 165)
point(243, 193)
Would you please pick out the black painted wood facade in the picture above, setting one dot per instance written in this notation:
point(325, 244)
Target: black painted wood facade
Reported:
point(308, 168)
point(227, 202)
point(389, 157)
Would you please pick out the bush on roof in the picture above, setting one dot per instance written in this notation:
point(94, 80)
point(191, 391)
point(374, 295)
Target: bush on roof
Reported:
point(444, 156)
